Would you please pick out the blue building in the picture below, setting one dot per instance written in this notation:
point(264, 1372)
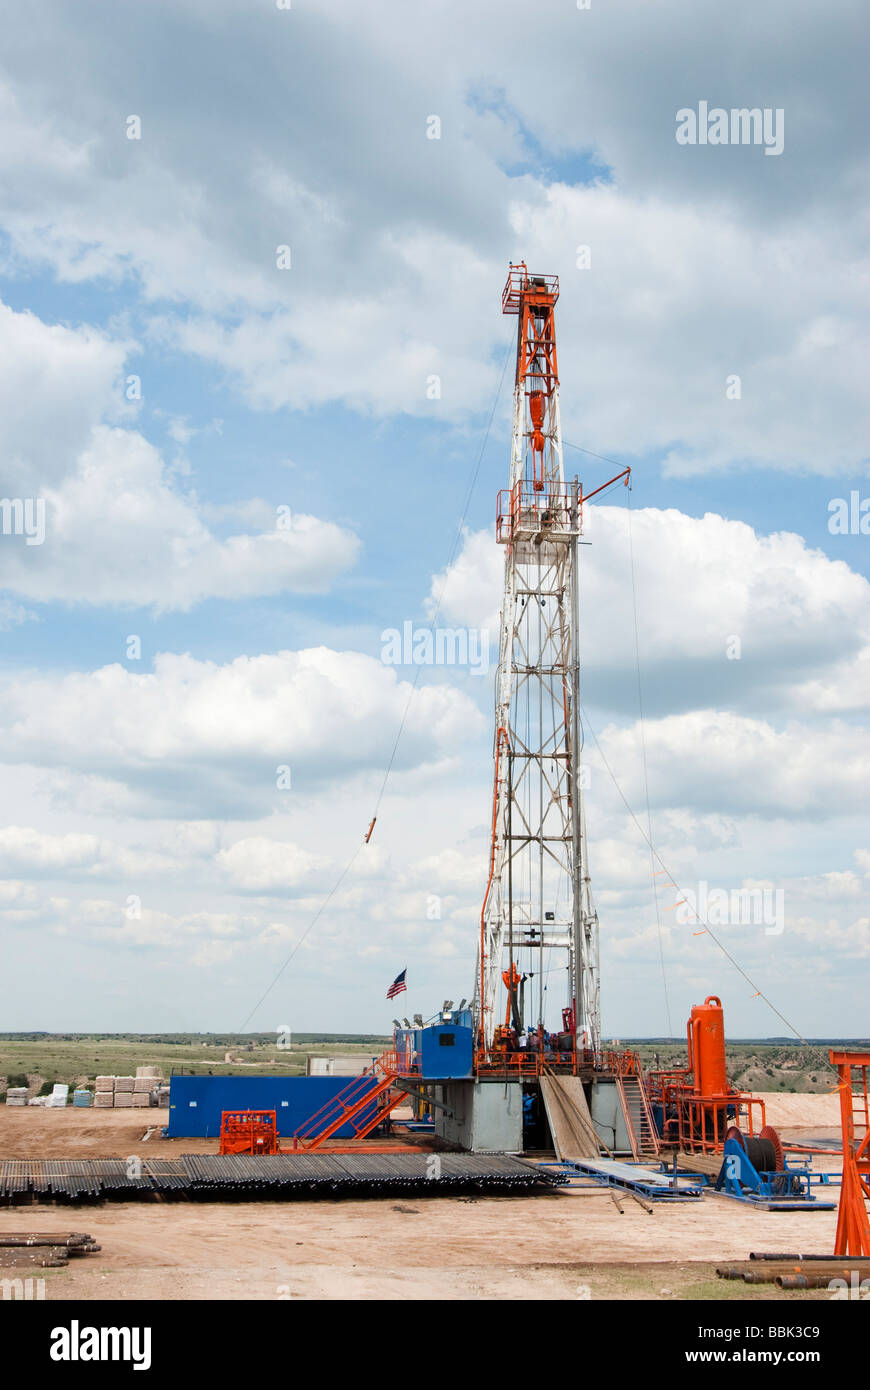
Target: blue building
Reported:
point(196, 1102)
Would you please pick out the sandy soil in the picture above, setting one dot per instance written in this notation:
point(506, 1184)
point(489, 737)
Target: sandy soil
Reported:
point(34, 1132)
point(782, 1109)
point(432, 1248)
point(552, 1246)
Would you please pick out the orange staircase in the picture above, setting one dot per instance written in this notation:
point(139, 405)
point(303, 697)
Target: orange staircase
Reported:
point(636, 1110)
point(363, 1103)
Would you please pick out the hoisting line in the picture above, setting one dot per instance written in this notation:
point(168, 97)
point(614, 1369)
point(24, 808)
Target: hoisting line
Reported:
point(348, 866)
point(654, 854)
point(458, 537)
point(758, 993)
point(645, 774)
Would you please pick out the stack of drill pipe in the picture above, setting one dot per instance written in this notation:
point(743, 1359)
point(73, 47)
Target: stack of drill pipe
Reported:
point(71, 1180)
point(13, 1183)
point(77, 1241)
point(43, 1249)
point(809, 1279)
point(45, 1257)
point(282, 1175)
point(789, 1273)
point(802, 1259)
point(340, 1173)
point(165, 1175)
point(17, 1095)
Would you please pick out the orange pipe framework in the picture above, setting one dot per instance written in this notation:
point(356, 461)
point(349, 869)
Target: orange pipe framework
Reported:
point(501, 734)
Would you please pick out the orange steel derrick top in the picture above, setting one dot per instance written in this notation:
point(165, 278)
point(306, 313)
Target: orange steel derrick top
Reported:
point(533, 298)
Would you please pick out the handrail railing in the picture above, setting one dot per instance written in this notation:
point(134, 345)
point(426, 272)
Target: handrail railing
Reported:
point(534, 1061)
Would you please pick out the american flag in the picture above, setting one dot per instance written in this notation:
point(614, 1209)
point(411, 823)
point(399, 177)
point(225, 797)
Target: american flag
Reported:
point(398, 985)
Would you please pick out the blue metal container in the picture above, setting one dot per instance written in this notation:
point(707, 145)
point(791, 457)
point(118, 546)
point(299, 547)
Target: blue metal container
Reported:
point(438, 1051)
point(197, 1102)
point(446, 1051)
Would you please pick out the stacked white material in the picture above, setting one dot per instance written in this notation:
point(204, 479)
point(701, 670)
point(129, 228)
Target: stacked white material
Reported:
point(123, 1083)
point(59, 1096)
point(16, 1095)
point(38, 1100)
point(350, 1066)
point(103, 1100)
point(122, 1099)
point(337, 1066)
point(140, 1098)
point(144, 1084)
point(105, 1083)
point(152, 1072)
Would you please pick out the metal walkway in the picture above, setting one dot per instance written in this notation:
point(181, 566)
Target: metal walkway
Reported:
point(634, 1177)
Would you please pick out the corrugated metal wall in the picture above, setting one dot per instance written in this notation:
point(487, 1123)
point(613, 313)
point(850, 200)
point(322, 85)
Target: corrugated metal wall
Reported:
point(196, 1102)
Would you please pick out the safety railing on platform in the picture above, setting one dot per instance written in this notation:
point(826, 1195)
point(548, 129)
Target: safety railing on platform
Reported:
point(524, 510)
point(532, 1062)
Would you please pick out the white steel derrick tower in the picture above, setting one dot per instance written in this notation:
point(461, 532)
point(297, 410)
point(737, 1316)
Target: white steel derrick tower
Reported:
point(538, 927)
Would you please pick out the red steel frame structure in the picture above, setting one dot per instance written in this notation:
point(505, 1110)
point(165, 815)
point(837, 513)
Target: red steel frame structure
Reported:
point(853, 1224)
point(699, 1124)
point(695, 1115)
point(249, 1132)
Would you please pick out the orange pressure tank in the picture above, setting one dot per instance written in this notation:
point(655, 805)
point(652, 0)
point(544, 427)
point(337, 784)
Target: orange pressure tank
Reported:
point(706, 1033)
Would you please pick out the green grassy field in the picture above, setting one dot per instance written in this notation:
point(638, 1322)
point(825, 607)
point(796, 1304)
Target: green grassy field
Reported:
point(760, 1066)
point(78, 1060)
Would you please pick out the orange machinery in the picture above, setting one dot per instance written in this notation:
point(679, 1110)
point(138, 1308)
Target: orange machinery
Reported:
point(698, 1106)
point(249, 1132)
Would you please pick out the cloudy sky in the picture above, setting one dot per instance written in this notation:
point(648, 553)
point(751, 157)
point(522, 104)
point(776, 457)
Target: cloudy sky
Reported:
point(250, 343)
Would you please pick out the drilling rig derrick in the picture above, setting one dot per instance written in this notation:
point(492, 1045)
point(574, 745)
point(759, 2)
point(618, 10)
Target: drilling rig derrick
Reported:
point(538, 912)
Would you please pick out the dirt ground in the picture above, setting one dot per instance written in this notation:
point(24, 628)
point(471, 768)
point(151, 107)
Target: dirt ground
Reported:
point(37, 1132)
point(556, 1246)
point(785, 1108)
point(572, 1244)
